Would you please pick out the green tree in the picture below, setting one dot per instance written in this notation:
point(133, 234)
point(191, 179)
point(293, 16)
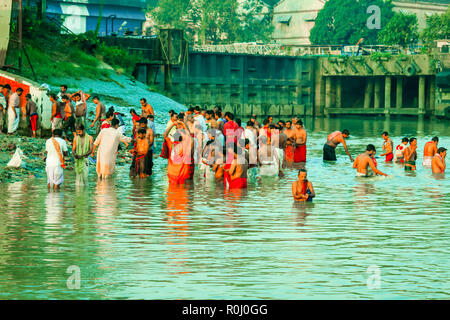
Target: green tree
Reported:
point(216, 21)
point(344, 22)
point(438, 27)
point(401, 30)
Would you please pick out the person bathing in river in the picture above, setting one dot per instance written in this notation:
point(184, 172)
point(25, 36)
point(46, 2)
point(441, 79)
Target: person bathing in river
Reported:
point(364, 161)
point(80, 99)
point(83, 145)
point(300, 142)
point(69, 117)
point(388, 147)
point(333, 140)
point(150, 136)
point(235, 175)
point(56, 149)
point(108, 142)
point(141, 148)
point(399, 150)
point(302, 189)
point(429, 151)
point(438, 162)
point(410, 155)
point(269, 164)
point(180, 152)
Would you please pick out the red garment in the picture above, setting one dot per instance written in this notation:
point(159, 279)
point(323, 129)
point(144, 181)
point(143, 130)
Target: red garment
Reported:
point(300, 154)
point(289, 153)
point(374, 162)
point(229, 131)
point(105, 125)
point(305, 187)
point(33, 121)
point(389, 157)
point(238, 183)
point(165, 151)
point(177, 166)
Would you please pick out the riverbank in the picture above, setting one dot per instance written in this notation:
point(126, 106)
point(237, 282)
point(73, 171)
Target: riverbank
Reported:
point(33, 164)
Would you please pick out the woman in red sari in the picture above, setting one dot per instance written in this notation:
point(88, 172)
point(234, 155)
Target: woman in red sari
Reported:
point(180, 151)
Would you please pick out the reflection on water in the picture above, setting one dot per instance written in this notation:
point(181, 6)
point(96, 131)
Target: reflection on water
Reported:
point(144, 239)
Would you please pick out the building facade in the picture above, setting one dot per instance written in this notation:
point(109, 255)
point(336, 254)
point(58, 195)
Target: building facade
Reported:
point(117, 16)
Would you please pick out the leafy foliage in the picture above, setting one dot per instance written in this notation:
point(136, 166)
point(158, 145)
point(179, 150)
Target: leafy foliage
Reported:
point(438, 27)
point(216, 21)
point(401, 30)
point(344, 22)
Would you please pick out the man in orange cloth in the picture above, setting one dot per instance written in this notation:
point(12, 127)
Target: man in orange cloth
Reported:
point(300, 142)
point(180, 151)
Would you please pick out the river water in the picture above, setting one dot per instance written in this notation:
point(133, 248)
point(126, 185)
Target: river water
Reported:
point(377, 238)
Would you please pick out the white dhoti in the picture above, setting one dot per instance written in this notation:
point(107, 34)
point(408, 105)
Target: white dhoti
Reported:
point(13, 122)
point(269, 169)
point(427, 161)
point(55, 175)
point(280, 156)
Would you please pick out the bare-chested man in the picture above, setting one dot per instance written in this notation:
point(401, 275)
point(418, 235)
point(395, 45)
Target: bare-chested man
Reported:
point(211, 122)
point(300, 142)
point(429, 151)
point(100, 113)
point(302, 189)
point(410, 155)
point(148, 161)
point(333, 140)
point(364, 163)
point(438, 162)
point(146, 109)
point(236, 173)
point(388, 147)
point(289, 149)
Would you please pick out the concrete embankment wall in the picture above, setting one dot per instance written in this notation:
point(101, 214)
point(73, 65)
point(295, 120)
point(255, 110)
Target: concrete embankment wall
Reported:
point(279, 86)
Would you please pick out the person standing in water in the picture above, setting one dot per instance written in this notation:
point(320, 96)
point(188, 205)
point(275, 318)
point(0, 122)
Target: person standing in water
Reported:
point(399, 150)
point(180, 152)
point(333, 140)
point(430, 149)
point(289, 149)
point(302, 189)
point(56, 149)
point(388, 147)
point(364, 161)
point(108, 142)
point(438, 162)
point(82, 148)
point(146, 109)
point(235, 175)
point(300, 142)
point(411, 155)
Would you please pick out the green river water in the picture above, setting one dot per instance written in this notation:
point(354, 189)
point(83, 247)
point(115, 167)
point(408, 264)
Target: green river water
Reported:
point(145, 240)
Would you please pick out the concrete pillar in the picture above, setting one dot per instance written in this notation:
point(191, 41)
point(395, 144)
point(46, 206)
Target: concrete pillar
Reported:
point(399, 93)
point(377, 93)
point(421, 95)
point(387, 96)
point(432, 95)
point(328, 95)
point(368, 92)
point(338, 92)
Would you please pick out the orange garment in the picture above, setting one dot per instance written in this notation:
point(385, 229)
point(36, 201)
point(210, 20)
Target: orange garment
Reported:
point(58, 151)
point(178, 166)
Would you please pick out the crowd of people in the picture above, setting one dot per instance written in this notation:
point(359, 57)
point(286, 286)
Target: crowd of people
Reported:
point(215, 144)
